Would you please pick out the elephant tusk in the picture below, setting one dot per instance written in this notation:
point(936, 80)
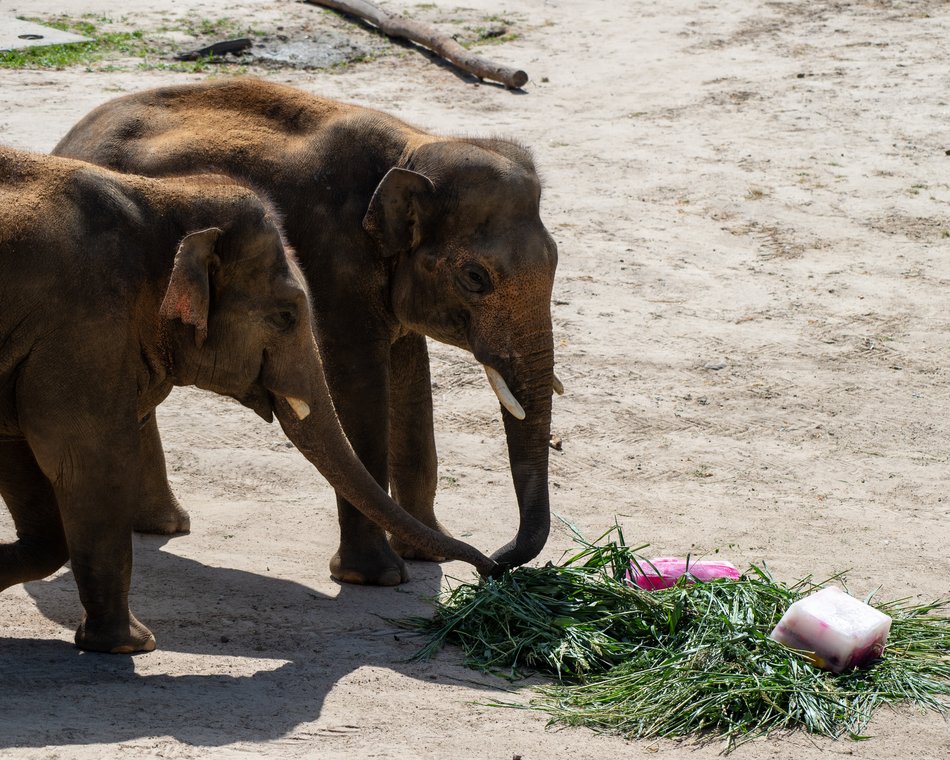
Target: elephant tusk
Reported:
point(505, 396)
point(558, 386)
point(301, 408)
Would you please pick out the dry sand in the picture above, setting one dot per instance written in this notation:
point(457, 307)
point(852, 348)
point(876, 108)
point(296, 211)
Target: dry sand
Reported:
point(752, 205)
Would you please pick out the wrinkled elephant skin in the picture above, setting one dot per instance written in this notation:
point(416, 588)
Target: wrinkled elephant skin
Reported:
point(401, 234)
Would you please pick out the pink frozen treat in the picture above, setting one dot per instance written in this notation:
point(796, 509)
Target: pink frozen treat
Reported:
point(669, 569)
point(836, 630)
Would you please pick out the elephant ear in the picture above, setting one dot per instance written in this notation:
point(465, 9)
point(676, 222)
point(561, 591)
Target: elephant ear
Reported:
point(187, 298)
point(393, 216)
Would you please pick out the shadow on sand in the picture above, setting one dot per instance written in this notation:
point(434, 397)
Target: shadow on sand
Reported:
point(301, 644)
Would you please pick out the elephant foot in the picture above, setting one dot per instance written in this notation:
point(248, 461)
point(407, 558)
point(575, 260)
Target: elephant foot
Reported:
point(164, 519)
point(125, 638)
point(376, 566)
point(408, 551)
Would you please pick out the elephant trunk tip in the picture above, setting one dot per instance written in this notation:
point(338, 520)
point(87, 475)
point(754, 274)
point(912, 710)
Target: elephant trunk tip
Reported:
point(492, 569)
point(523, 549)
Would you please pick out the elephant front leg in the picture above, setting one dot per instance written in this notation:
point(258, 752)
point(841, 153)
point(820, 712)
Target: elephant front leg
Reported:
point(86, 444)
point(358, 383)
point(364, 556)
point(96, 502)
point(159, 510)
point(413, 465)
point(96, 499)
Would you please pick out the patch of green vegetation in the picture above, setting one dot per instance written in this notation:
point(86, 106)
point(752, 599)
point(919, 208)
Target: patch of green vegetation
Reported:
point(211, 27)
point(109, 45)
point(490, 30)
point(337, 68)
point(497, 39)
point(63, 56)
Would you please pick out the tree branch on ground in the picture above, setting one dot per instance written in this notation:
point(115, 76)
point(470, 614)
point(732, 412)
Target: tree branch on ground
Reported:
point(442, 45)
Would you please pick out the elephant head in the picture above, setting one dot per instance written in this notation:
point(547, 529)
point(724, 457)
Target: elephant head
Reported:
point(473, 266)
point(236, 317)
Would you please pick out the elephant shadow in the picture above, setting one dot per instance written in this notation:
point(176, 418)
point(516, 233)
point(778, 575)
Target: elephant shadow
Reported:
point(302, 643)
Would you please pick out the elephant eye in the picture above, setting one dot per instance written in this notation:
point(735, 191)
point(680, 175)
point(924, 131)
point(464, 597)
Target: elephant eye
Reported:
point(475, 279)
point(284, 320)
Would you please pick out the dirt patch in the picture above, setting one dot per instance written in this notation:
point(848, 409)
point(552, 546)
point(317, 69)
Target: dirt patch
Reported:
point(917, 228)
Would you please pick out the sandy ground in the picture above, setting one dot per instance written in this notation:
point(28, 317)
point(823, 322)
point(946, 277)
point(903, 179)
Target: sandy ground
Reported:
point(752, 205)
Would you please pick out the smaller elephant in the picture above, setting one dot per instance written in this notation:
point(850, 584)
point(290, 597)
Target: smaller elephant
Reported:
point(115, 288)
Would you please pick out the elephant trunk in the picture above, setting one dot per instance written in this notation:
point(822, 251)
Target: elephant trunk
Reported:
point(528, 444)
point(319, 437)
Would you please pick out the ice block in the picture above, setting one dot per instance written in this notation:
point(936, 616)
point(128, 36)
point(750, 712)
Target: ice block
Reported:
point(835, 629)
point(669, 569)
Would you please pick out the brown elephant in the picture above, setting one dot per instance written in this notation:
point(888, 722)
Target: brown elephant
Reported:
point(401, 234)
point(114, 289)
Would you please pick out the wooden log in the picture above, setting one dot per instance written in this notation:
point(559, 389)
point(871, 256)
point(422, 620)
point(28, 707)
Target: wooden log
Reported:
point(445, 47)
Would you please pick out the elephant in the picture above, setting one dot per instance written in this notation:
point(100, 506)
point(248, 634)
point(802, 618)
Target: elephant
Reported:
point(116, 288)
point(401, 234)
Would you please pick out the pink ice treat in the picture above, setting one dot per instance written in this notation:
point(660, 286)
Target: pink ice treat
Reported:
point(836, 630)
point(669, 569)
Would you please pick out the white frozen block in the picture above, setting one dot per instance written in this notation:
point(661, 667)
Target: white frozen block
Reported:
point(838, 630)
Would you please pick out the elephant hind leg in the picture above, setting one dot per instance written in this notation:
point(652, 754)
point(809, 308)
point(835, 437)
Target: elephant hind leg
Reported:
point(40, 548)
point(158, 510)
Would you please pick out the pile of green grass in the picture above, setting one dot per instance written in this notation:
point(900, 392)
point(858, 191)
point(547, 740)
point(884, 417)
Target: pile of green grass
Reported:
point(694, 659)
